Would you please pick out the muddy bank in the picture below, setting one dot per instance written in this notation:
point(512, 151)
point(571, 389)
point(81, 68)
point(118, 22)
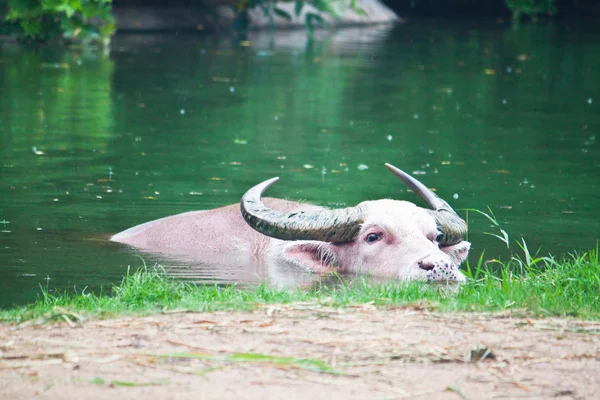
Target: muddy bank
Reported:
point(303, 351)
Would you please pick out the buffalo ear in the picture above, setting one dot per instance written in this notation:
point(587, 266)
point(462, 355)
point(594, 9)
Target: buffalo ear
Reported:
point(457, 252)
point(312, 256)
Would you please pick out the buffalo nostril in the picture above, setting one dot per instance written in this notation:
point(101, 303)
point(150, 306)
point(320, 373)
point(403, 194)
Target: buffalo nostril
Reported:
point(426, 267)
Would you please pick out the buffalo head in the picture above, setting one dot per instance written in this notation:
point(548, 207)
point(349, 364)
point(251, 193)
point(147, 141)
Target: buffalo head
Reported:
point(382, 237)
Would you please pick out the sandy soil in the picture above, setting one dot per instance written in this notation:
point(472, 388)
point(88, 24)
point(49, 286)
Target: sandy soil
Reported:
point(372, 353)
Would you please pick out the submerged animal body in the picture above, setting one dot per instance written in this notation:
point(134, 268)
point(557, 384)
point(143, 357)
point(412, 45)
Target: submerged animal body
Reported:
point(389, 238)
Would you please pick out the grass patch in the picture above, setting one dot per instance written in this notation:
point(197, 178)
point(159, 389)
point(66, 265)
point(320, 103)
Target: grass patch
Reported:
point(301, 363)
point(540, 286)
point(99, 381)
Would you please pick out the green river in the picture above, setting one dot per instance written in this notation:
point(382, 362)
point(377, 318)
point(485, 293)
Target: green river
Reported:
point(93, 142)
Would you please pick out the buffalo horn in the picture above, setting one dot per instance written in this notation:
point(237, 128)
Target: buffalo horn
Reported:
point(452, 226)
point(341, 225)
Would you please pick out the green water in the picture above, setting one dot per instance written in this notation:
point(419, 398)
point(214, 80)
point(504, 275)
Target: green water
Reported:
point(93, 143)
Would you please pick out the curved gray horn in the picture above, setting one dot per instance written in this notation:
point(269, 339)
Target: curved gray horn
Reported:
point(452, 226)
point(340, 225)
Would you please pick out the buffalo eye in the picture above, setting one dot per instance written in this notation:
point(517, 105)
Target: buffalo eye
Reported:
point(439, 237)
point(372, 237)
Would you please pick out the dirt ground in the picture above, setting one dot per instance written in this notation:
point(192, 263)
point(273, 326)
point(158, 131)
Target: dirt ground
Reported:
point(359, 352)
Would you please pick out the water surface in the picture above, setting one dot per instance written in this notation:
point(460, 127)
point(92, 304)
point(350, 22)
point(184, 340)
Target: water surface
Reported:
point(488, 115)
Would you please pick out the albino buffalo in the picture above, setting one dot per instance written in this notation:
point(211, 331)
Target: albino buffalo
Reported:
point(387, 238)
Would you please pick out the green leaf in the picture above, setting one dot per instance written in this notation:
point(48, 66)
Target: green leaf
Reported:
point(97, 381)
point(360, 11)
point(282, 14)
point(31, 27)
point(67, 9)
point(322, 5)
point(311, 18)
point(108, 29)
point(266, 10)
point(299, 7)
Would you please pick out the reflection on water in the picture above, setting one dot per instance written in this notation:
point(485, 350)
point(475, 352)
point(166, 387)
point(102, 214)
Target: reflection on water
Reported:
point(246, 272)
point(91, 144)
point(243, 271)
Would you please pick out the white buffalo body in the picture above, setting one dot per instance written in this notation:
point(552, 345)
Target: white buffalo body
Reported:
point(391, 239)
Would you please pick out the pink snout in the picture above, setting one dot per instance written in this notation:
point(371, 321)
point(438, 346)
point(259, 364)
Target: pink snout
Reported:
point(439, 268)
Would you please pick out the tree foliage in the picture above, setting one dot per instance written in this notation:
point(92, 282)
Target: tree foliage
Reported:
point(43, 20)
point(531, 8)
point(85, 20)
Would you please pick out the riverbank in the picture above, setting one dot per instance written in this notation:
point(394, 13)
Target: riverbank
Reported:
point(303, 350)
point(220, 15)
point(154, 337)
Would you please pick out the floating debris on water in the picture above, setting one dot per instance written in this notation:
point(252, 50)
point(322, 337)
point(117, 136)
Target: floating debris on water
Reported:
point(590, 141)
point(308, 166)
point(446, 90)
point(455, 196)
point(240, 141)
point(37, 152)
point(55, 65)
point(362, 167)
point(389, 137)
